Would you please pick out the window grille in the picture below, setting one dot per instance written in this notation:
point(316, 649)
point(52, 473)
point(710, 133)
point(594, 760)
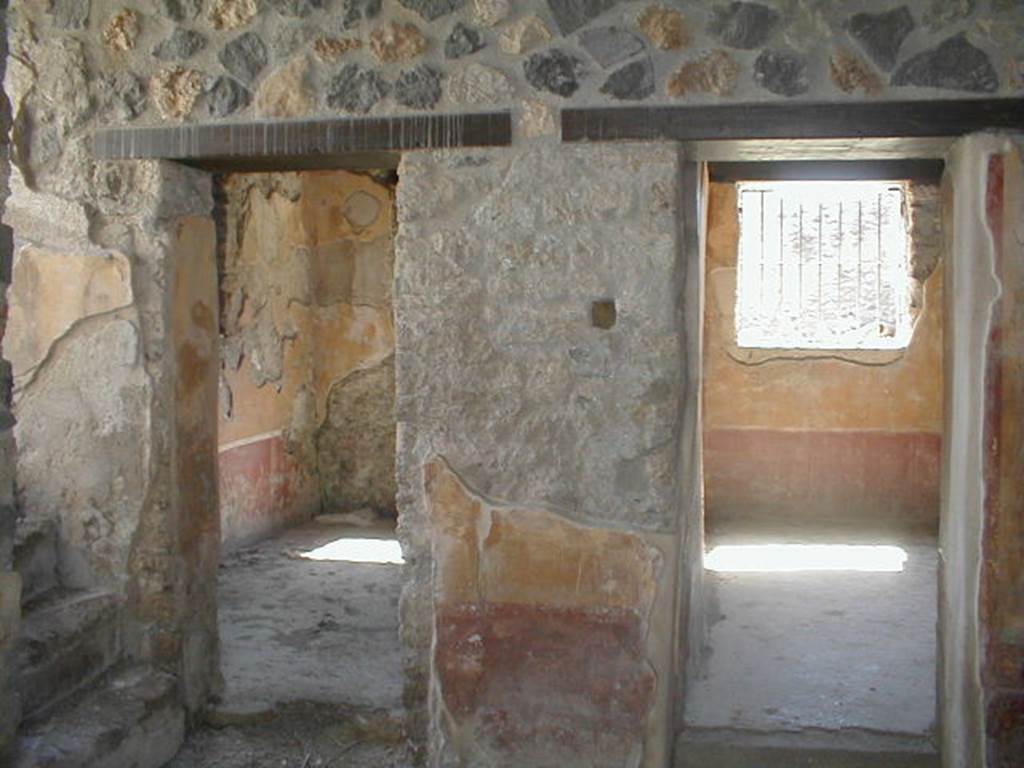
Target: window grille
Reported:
point(822, 265)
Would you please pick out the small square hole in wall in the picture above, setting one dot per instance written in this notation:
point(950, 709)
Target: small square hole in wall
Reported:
point(603, 314)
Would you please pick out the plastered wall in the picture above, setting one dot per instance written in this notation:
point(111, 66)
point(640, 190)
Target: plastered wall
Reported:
point(306, 386)
point(807, 437)
point(539, 443)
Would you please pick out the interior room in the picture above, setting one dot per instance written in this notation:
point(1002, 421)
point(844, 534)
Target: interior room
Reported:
point(822, 455)
point(491, 384)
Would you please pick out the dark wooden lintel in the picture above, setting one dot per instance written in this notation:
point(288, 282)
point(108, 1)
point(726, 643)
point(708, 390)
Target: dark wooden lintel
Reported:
point(328, 143)
point(784, 120)
point(920, 171)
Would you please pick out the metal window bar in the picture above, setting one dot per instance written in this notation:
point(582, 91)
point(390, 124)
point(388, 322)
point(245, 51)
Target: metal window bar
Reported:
point(843, 320)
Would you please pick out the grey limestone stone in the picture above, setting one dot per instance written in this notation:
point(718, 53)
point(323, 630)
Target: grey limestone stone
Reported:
point(462, 41)
point(69, 14)
point(300, 8)
point(954, 64)
point(882, 34)
point(610, 45)
point(782, 72)
point(632, 82)
point(355, 89)
point(432, 9)
point(419, 88)
point(226, 97)
point(122, 95)
point(180, 10)
point(942, 13)
point(182, 44)
point(554, 71)
point(571, 15)
point(743, 25)
point(355, 11)
point(245, 56)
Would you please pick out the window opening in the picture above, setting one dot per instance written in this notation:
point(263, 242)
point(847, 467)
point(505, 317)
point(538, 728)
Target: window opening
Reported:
point(823, 265)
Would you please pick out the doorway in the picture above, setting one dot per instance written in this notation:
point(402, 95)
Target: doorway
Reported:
point(311, 572)
point(822, 466)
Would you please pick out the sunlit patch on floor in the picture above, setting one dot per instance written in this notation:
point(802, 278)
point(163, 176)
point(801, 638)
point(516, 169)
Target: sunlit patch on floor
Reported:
point(357, 550)
point(805, 557)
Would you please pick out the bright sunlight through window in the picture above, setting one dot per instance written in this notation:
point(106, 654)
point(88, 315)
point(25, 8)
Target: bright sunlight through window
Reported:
point(805, 557)
point(351, 550)
point(822, 265)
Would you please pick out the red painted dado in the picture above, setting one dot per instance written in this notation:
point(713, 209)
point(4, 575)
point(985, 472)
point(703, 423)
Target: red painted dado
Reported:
point(534, 680)
point(261, 488)
point(829, 475)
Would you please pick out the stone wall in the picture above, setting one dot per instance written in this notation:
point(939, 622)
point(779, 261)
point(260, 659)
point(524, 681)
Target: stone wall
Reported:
point(541, 383)
point(10, 581)
point(806, 435)
point(307, 380)
point(156, 60)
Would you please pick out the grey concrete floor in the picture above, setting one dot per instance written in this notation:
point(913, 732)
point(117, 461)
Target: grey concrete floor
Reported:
point(828, 650)
point(299, 630)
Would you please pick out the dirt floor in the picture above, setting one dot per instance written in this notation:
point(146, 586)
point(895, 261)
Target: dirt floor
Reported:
point(300, 736)
point(310, 655)
point(829, 650)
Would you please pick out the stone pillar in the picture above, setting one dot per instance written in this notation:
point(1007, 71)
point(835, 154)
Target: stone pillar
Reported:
point(981, 610)
point(539, 306)
point(172, 569)
point(10, 582)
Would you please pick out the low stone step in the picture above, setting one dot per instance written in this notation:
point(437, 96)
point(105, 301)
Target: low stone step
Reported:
point(132, 718)
point(66, 642)
point(735, 748)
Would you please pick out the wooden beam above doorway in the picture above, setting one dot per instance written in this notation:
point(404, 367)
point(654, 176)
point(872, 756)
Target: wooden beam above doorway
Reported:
point(795, 130)
point(367, 142)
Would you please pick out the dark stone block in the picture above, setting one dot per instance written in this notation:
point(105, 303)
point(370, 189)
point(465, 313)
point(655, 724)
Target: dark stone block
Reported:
point(570, 15)
point(781, 72)
point(6, 383)
point(182, 44)
point(244, 57)
point(227, 97)
point(419, 88)
point(743, 25)
point(6, 253)
point(121, 95)
point(882, 34)
point(610, 45)
point(300, 8)
point(355, 11)
point(955, 64)
point(554, 71)
point(180, 10)
point(355, 89)
point(632, 82)
point(462, 41)
point(432, 9)
point(603, 314)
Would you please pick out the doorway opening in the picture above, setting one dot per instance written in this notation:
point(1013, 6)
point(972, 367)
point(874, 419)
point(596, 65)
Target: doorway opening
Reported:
point(822, 447)
point(311, 567)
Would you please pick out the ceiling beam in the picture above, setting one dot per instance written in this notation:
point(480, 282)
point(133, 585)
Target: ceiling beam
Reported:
point(799, 130)
point(920, 171)
point(295, 144)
